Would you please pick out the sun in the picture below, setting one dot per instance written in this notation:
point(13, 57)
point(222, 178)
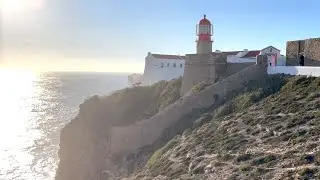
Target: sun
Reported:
point(19, 6)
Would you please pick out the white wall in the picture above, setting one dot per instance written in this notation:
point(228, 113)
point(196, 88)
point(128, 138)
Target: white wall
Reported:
point(295, 70)
point(281, 61)
point(235, 59)
point(157, 69)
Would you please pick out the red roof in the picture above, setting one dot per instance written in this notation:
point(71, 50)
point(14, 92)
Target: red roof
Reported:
point(204, 21)
point(166, 56)
point(251, 54)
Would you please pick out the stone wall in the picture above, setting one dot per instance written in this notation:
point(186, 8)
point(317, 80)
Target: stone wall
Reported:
point(313, 49)
point(310, 48)
point(198, 68)
point(127, 139)
point(292, 53)
point(233, 68)
point(202, 68)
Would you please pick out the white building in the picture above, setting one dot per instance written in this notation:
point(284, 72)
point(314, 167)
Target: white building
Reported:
point(162, 67)
point(167, 67)
point(246, 56)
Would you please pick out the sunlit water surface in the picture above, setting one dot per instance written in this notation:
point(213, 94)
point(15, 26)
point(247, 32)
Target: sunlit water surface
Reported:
point(33, 109)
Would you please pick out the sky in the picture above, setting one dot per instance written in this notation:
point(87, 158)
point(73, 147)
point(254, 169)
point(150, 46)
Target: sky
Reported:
point(115, 36)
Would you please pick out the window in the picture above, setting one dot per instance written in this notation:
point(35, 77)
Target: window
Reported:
point(174, 65)
point(180, 65)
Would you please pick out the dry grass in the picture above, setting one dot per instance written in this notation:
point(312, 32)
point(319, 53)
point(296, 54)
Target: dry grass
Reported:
point(267, 133)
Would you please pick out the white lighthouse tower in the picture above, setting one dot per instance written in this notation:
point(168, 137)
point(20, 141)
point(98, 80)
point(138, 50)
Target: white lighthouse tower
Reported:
point(204, 33)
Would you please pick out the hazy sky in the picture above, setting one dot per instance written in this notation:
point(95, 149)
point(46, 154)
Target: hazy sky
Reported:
point(115, 35)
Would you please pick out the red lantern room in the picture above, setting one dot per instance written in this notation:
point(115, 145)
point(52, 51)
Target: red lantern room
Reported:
point(204, 33)
point(204, 29)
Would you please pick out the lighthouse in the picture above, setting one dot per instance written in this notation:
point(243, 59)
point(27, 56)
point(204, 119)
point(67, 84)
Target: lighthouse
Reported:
point(204, 32)
point(204, 66)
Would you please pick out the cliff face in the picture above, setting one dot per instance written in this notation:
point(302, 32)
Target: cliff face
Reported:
point(259, 134)
point(84, 142)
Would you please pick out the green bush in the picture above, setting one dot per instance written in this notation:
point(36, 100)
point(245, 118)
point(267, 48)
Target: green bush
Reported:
point(245, 168)
point(200, 86)
point(202, 120)
point(224, 110)
point(155, 158)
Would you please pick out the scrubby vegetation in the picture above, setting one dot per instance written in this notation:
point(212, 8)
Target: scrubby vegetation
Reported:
point(132, 104)
point(270, 130)
point(199, 87)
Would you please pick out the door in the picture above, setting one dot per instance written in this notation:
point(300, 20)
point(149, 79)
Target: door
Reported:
point(272, 59)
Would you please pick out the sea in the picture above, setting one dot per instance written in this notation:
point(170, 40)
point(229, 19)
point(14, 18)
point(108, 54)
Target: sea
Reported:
point(34, 107)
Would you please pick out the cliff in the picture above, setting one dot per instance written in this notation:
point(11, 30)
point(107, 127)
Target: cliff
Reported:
point(84, 142)
point(114, 136)
point(271, 132)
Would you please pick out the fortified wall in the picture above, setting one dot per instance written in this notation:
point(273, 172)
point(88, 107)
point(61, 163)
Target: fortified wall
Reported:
point(127, 139)
point(202, 68)
point(208, 68)
point(310, 48)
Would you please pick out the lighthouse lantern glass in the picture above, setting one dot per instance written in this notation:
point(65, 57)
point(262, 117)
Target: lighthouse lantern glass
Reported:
point(204, 29)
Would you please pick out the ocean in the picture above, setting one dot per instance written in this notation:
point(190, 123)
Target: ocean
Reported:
point(34, 108)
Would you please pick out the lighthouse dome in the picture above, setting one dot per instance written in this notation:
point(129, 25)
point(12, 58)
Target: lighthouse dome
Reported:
point(204, 21)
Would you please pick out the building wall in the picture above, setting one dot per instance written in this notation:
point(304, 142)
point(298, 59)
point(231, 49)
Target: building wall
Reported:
point(311, 49)
point(127, 139)
point(281, 61)
point(236, 59)
point(161, 69)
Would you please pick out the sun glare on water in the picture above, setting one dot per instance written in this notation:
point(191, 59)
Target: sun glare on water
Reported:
point(16, 91)
point(15, 85)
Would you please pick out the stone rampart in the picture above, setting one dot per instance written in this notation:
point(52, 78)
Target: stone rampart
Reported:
point(233, 68)
point(202, 68)
point(126, 139)
point(310, 48)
